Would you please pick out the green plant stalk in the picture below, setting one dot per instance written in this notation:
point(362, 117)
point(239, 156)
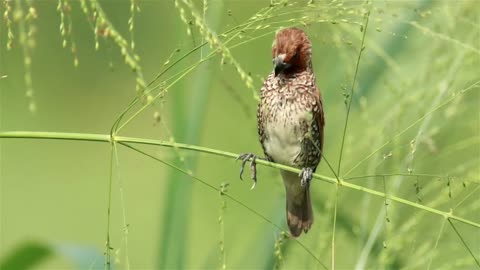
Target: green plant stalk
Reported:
point(109, 204)
point(334, 227)
point(466, 197)
point(125, 229)
point(464, 243)
point(121, 139)
point(397, 174)
point(436, 243)
point(362, 48)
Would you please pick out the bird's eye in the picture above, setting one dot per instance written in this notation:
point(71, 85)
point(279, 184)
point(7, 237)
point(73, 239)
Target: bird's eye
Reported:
point(295, 55)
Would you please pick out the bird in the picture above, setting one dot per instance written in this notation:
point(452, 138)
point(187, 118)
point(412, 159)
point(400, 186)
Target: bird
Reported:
point(290, 121)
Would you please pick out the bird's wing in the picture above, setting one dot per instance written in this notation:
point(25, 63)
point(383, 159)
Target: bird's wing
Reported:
point(261, 111)
point(319, 116)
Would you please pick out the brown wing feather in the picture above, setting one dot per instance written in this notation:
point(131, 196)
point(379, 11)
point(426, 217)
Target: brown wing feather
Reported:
point(320, 116)
point(267, 86)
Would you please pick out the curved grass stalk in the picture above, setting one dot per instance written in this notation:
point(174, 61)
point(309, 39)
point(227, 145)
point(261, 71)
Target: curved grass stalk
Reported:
point(115, 127)
point(106, 138)
point(239, 28)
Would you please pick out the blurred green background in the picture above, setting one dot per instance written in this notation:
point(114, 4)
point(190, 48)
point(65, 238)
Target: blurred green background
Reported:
point(414, 126)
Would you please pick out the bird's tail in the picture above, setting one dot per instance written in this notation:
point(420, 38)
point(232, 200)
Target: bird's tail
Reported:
point(299, 206)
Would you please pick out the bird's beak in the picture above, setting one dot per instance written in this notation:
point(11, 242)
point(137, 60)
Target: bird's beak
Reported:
point(280, 65)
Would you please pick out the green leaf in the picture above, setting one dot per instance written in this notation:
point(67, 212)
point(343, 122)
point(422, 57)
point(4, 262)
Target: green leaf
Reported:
point(26, 256)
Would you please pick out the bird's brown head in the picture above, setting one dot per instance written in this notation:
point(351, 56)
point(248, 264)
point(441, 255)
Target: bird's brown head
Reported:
point(291, 51)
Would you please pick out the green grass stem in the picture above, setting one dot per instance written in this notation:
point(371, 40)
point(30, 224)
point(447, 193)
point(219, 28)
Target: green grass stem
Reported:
point(206, 150)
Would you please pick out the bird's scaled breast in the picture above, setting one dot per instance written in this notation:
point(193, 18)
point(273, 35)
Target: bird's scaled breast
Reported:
point(284, 129)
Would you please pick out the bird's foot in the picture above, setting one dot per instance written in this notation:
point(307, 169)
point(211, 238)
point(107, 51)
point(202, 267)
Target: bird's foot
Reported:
point(305, 176)
point(253, 166)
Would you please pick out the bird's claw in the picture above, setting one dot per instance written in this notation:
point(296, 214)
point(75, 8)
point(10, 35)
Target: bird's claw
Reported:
point(253, 166)
point(305, 176)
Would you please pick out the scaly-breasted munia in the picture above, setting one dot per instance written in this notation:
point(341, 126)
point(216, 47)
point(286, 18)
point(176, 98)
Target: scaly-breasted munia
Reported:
point(290, 123)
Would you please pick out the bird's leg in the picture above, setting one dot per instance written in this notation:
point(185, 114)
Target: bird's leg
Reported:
point(305, 176)
point(253, 166)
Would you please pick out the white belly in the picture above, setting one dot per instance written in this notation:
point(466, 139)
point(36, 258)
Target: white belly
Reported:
point(283, 141)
